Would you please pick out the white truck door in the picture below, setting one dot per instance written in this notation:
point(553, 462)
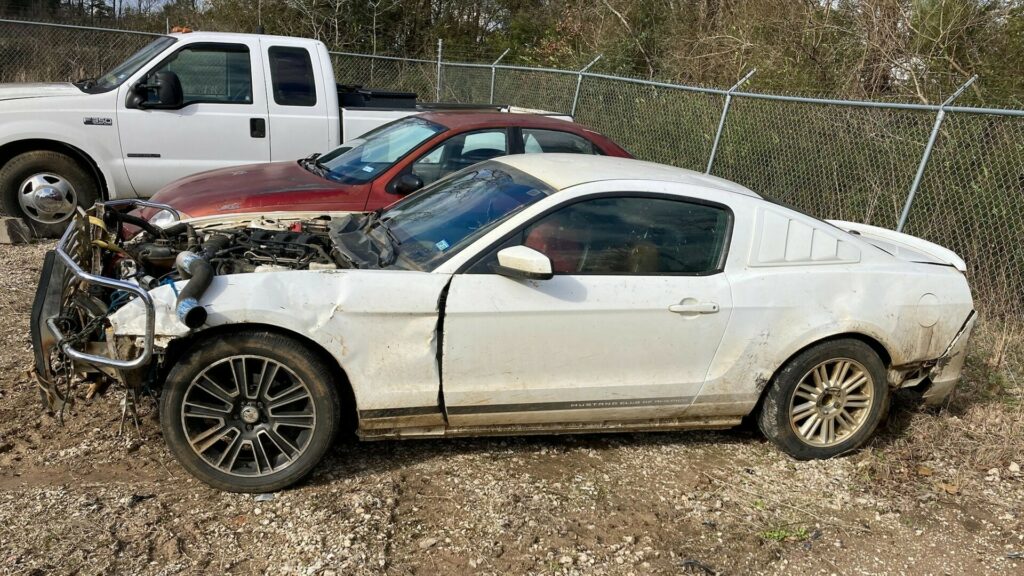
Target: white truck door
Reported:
point(296, 99)
point(222, 120)
point(625, 330)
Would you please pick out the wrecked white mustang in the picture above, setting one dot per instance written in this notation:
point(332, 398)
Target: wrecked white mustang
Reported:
point(529, 294)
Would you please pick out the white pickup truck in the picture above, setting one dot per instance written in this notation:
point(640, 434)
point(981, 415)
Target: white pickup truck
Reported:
point(185, 103)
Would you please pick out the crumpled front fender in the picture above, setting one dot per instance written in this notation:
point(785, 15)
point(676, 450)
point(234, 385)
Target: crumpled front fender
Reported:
point(380, 326)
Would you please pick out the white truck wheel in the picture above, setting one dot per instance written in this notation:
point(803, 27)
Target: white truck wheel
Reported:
point(44, 187)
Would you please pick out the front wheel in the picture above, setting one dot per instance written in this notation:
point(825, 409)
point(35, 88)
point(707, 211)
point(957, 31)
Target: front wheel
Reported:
point(44, 188)
point(826, 401)
point(249, 412)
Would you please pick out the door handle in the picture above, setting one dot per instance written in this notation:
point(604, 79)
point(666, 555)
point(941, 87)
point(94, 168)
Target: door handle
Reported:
point(689, 306)
point(257, 127)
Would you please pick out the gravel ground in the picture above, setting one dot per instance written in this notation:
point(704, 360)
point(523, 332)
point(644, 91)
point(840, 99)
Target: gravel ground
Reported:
point(937, 492)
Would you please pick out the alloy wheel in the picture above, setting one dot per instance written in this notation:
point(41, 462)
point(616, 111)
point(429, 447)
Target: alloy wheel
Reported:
point(248, 415)
point(831, 402)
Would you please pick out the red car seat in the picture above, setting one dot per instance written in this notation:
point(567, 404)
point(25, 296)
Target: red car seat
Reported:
point(558, 243)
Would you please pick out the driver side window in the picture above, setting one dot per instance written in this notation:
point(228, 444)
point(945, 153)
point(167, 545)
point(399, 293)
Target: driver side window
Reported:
point(460, 151)
point(627, 236)
point(213, 73)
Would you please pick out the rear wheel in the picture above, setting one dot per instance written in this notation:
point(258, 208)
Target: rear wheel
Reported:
point(44, 188)
point(826, 401)
point(249, 412)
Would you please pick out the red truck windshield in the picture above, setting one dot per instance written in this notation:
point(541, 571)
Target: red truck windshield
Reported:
point(363, 159)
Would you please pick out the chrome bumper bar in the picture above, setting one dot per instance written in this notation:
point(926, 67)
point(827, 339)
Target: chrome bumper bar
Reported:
point(74, 269)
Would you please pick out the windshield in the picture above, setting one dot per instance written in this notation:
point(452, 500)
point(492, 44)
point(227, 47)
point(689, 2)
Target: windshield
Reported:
point(118, 75)
point(439, 221)
point(362, 159)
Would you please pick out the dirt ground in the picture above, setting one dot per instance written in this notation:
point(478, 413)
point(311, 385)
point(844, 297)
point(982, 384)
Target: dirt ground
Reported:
point(937, 492)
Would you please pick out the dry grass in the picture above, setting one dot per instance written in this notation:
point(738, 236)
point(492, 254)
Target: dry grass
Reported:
point(979, 428)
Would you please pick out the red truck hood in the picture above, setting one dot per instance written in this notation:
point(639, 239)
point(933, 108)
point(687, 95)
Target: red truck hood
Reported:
point(259, 188)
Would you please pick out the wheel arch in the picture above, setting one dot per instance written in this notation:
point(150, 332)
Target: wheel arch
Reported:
point(349, 407)
point(871, 341)
point(11, 149)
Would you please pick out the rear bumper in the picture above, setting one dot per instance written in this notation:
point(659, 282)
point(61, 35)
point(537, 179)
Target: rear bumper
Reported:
point(949, 366)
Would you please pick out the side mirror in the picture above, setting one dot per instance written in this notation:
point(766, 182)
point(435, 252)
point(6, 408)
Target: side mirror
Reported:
point(523, 263)
point(168, 90)
point(406, 184)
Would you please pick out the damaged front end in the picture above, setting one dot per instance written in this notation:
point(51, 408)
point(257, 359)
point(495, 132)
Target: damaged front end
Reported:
point(93, 272)
point(73, 299)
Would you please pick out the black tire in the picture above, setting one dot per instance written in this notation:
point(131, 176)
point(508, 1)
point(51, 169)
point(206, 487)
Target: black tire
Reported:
point(777, 421)
point(209, 355)
point(15, 173)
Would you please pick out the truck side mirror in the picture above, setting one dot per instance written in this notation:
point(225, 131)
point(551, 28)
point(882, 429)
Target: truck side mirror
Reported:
point(168, 90)
point(406, 184)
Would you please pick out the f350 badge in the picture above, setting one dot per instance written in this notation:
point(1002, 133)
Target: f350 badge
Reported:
point(96, 121)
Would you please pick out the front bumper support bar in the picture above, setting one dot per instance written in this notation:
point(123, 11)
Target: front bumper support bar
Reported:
point(79, 231)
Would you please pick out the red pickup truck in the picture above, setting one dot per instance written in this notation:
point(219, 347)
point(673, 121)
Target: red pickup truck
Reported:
point(378, 168)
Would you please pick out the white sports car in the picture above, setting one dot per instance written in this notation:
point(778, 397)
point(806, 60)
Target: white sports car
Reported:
point(528, 294)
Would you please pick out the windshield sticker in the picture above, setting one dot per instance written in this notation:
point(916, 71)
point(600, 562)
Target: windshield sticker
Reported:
point(442, 245)
point(367, 168)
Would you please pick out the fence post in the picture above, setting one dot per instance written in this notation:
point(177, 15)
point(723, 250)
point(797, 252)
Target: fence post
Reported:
point(928, 151)
point(493, 64)
point(721, 121)
point(437, 95)
point(579, 81)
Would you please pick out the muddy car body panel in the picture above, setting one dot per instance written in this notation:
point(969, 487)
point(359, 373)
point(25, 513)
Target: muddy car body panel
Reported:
point(380, 325)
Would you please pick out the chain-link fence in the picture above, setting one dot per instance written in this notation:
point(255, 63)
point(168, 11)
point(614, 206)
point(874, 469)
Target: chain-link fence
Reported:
point(857, 161)
point(44, 53)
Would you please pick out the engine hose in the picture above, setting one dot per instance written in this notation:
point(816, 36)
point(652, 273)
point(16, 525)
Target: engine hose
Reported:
point(153, 231)
point(175, 229)
point(196, 268)
point(199, 272)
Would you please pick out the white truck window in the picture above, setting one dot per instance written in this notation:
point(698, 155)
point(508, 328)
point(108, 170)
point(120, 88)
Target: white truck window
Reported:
point(212, 73)
point(291, 73)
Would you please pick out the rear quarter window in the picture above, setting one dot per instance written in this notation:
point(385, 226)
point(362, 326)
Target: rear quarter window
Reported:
point(291, 74)
point(537, 141)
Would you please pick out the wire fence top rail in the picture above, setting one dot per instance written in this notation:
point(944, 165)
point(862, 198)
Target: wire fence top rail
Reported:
point(79, 27)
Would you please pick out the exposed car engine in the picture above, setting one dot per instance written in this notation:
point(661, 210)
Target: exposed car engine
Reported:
point(129, 251)
point(156, 256)
point(304, 245)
